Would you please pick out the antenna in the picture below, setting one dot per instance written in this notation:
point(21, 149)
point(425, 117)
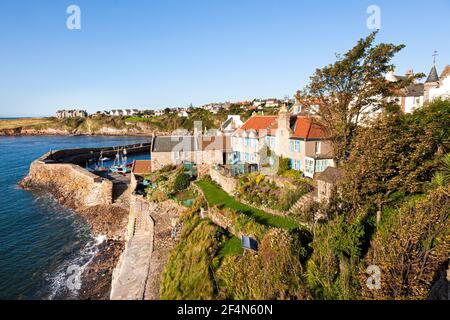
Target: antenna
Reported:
point(435, 54)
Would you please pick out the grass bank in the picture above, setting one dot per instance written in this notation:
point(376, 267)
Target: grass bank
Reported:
point(218, 197)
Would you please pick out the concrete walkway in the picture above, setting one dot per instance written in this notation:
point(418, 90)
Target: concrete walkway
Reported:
point(131, 273)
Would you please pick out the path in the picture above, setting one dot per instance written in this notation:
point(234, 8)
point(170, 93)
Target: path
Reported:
point(131, 273)
point(138, 273)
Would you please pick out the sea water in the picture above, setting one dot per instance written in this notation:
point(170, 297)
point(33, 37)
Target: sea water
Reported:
point(40, 239)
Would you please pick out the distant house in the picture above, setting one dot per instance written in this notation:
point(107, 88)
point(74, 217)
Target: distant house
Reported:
point(327, 183)
point(442, 90)
point(159, 112)
point(116, 113)
point(64, 114)
point(214, 107)
point(416, 95)
point(184, 114)
point(272, 103)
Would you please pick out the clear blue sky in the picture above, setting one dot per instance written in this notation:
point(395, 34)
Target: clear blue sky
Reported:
point(149, 53)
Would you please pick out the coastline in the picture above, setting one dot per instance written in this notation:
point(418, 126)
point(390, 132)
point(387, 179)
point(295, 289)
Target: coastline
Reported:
point(92, 198)
point(107, 132)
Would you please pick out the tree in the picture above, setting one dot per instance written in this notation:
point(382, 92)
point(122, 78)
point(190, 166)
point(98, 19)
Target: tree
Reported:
point(182, 182)
point(352, 88)
point(410, 247)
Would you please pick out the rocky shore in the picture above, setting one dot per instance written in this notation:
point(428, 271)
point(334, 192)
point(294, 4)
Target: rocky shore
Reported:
point(70, 186)
point(96, 278)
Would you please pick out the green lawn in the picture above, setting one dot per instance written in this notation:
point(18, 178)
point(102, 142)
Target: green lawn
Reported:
point(231, 247)
point(216, 196)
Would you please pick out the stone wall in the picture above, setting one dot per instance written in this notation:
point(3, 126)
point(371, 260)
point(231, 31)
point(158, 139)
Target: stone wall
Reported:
point(229, 184)
point(71, 184)
point(81, 155)
point(221, 219)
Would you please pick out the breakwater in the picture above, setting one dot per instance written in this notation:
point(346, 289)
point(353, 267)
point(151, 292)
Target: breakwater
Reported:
point(95, 199)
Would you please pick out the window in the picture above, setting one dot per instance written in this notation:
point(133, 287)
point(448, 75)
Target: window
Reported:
point(291, 145)
point(309, 166)
point(318, 147)
point(273, 142)
point(297, 146)
point(295, 164)
point(321, 165)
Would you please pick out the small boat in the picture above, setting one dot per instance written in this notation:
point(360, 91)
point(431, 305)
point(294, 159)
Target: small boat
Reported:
point(120, 165)
point(100, 166)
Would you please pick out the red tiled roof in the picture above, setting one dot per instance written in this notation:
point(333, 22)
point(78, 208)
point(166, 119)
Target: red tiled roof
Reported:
point(446, 72)
point(305, 128)
point(257, 123)
point(141, 167)
point(302, 127)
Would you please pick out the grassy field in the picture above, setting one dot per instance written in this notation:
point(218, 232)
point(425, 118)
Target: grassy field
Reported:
point(216, 196)
point(18, 123)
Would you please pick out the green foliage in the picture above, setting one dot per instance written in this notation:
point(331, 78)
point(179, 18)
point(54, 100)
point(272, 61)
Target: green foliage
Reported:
point(188, 272)
point(273, 273)
point(445, 169)
point(217, 197)
point(182, 182)
point(347, 89)
point(283, 165)
point(260, 191)
point(402, 157)
point(348, 238)
point(410, 247)
point(231, 247)
point(293, 174)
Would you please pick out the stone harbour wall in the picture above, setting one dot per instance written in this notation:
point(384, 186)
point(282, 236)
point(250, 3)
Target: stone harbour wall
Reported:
point(70, 184)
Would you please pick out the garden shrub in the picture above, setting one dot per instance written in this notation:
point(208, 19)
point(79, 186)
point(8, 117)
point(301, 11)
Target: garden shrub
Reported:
point(182, 182)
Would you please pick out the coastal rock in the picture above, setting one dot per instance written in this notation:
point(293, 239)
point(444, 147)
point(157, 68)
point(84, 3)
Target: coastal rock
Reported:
point(96, 279)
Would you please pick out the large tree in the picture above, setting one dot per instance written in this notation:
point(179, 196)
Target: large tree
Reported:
point(351, 89)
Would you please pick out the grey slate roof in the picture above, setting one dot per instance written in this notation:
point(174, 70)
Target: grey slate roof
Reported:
point(330, 175)
point(414, 90)
point(226, 123)
point(169, 144)
point(433, 76)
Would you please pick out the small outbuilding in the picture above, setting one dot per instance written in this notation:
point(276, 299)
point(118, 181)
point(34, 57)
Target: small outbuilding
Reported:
point(327, 182)
point(141, 167)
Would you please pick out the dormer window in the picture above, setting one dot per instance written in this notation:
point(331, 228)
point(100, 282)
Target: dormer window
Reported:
point(318, 147)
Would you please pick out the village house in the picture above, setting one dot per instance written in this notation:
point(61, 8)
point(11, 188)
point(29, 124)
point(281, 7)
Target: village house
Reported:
point(416, 95)
point(184, 114)
point(272, 103)
point(64, 114)
point(213, 107)
point(124, 112)
point(297, 138)
point(202, 150)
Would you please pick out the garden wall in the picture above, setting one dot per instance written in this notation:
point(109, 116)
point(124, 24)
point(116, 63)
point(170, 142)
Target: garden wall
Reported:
point(229, 184)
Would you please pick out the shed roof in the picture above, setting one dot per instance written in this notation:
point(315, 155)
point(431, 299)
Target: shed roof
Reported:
point(142, 167)
point(330, 175)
